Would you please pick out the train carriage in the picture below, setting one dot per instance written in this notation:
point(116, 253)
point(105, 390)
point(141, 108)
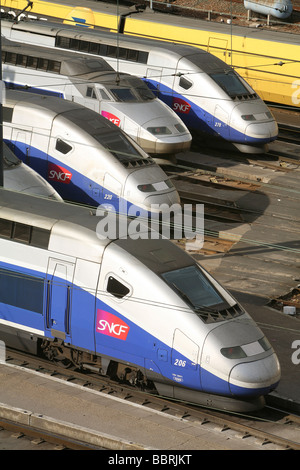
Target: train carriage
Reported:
point(85, 157)
point(140, 311)
point(206, 93)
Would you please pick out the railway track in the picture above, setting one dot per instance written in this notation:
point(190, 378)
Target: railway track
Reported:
point(17, 436)
point(269, 428)
point(235, 189)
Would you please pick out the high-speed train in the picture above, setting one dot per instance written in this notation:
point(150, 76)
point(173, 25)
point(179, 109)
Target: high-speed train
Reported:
point(142, 311)
point(85, 157)
point(17, 176)
point(123, 99)
point(266, 57)
point(207, 94)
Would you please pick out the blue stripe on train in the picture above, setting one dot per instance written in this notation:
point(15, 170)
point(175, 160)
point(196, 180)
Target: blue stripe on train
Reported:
point(69, 183)
point(200, 120)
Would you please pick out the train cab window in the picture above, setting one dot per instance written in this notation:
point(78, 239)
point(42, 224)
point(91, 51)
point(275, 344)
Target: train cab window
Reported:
point(194, 287)
point(62, 146)
point(116, 288)
point(231, 83)
point(104, 95)
point(90, 92)
point(185, 83)
point(121, 147)
point(123, 94)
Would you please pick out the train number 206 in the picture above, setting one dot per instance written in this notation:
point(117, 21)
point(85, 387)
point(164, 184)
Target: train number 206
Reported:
point(179, 362)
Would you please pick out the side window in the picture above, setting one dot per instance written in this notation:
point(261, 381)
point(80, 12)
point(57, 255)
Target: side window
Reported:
point(185, 83)
point(116, 288)
point(21, 290)
point(63, 146)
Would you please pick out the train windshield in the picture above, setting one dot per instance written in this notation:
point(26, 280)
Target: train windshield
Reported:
point(230, 83)
point(191, 283)
point(140, 92)
point(194, 287)
point(120, 147)
point(123, 94)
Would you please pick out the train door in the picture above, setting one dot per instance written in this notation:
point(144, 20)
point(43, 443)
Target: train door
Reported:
point(59, 282)
point(20, 144)
point(185, 369)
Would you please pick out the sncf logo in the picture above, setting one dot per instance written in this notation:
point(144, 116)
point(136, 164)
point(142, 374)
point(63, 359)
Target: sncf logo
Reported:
point(181, 106)
point(111, 325)
point(58, 173)
point(111, 117)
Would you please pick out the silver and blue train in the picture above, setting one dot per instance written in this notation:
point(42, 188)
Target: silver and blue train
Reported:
point(17, 176)
point(122, 98)
point(84, 156)
point(142, 311)
point(207, 94)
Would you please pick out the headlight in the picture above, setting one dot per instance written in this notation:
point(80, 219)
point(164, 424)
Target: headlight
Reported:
point(248, 117)
point(234, 352)
point(159, 130)
point(161, 186)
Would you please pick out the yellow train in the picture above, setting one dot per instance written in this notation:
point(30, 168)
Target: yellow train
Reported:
point(269, 60)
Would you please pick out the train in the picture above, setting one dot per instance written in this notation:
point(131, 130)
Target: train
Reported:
point(267, 59)
point(84, 156)
point(17, 176)
point(207, 94)
point(140, 311)
point(123, 99)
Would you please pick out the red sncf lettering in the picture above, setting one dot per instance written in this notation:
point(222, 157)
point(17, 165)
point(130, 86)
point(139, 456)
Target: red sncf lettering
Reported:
point(59, 174)
point(181, 106)
point(111, 325)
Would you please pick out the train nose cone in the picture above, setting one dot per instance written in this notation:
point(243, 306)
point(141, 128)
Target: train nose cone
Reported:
point(260, 376)
point(262, 131)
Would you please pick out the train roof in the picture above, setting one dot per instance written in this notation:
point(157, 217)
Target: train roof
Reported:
point(72, 231)
point(149, 15)
point(70, 64)
point(198, 57)
point(85, 118)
